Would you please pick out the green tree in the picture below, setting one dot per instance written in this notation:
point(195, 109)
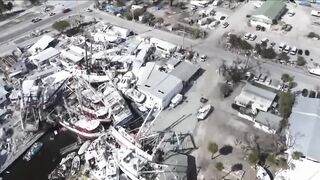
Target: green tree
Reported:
point(268, 53)
point(61, 25)
point(286, 101)
point(213, 148)
point(2, 7)
point(283, 56)
point(301, 61)
point(296, 155)
point(286, 78)
point(271, 160)
point(219, 166)
point(283, 163)
point(253, 157)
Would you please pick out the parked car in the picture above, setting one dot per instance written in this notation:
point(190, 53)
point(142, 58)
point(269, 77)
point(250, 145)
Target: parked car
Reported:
point(225, 24)
point(293, 50)
point(247, 36)
point(66, 10)
point(252, 37)
point(272, 44)
point(291, 13)
point(89, 10)
point(36, 20)
point(52, 14)
point(288, 27)
point(258, 27)
point(312, 94)
point(304, 92)
point(300, 52)
point(203, 58)
point(281, 46)
point(263, 28)
point(286, 49)
point(203, 100)
point(265, 40)
point(306, 52)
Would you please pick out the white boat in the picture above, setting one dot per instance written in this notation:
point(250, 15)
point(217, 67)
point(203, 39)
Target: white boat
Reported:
point(204, 111)
point(95, 97)
point(83, 127)
point(119, 109)
point(135, 95)
point(100, 113)
point(84, 147)
point(75, 166)
point(262, 174)
point(93, 77)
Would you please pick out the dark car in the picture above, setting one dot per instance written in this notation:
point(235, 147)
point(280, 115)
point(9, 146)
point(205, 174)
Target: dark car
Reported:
point(66, 10)
point(288, 27)
point(263, 28)
point(36, 20)
point(222, 18)
point(300, 52)
point(203, 100)
point(312, 94)
point(304, 92)
point(307, 52)
point(258, 27)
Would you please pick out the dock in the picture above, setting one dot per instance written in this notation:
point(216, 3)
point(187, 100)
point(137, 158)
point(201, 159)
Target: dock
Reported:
point(13, 157)
point(69, 148)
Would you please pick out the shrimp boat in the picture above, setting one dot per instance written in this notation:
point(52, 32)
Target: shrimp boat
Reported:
point(35, 148)
point(83, 127)
point(75, 166)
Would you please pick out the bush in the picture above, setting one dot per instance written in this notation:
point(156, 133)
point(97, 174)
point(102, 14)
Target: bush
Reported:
point(283, 56)
point(219, 166)
point(237, 42)
point(268, 53)
point(253, 158)
point(301, 61)
point(61, 25)
point(313, 35)
point(296, 155)
point(286, 78)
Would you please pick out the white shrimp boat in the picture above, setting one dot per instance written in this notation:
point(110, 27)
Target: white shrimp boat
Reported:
point(83, 127)
point(84, 147)
point(204, 112)
point(119, 109)
point(93, 77)
point(75, 166)
point(262, 174)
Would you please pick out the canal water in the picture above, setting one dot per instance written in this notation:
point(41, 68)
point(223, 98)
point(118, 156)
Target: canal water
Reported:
point(42, 163)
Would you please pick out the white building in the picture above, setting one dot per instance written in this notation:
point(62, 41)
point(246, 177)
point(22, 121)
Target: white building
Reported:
point(160, 88)
point(41, 44)
point(163, 46)
point(259, 99)
point(44, 56)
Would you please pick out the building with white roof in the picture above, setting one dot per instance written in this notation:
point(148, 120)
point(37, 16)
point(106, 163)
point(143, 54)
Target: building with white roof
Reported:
point(44, 56)
point(163, 46)
point(259, 99)
point(159, 87)
point(41, 44)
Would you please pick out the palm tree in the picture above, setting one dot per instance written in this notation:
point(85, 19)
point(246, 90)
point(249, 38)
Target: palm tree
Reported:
point(213, 148)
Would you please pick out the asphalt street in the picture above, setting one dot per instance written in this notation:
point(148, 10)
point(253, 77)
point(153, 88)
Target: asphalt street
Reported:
point(19, 29)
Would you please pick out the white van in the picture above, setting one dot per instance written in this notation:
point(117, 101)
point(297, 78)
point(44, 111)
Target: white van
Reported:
point(176, 100)
point(293, 51)
point(281, 46)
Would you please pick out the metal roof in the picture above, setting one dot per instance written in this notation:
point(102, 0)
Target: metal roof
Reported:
point(271, 8)
point(269, 120)
point(304, 126)
point(184, 70)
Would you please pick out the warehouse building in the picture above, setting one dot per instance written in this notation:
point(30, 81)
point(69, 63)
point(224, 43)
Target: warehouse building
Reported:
point(269, 13)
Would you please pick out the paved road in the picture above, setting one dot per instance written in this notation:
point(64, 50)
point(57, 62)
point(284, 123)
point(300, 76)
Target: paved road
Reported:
point(20, 29)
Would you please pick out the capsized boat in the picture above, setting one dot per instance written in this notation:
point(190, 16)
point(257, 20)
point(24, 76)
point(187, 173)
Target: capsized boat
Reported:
point(35, 148)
